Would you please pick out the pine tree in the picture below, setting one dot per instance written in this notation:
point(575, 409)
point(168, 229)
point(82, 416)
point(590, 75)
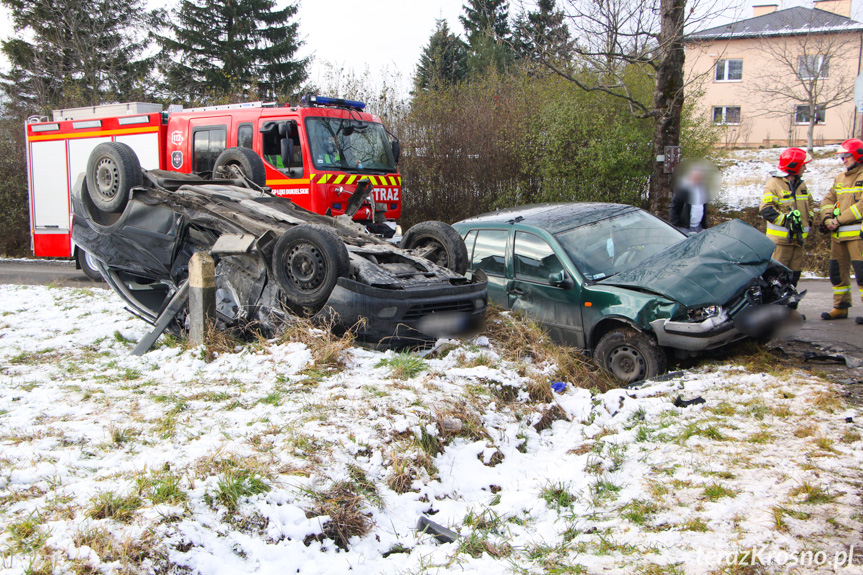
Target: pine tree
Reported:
point(82, 53)
point(486, 24)
point(222, 49)
point(443, 61)
point(543, 32)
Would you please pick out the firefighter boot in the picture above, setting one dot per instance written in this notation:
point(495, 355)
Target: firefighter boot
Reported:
point(840, 312)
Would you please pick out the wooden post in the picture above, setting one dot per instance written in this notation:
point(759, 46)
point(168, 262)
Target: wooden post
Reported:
point(202, 296)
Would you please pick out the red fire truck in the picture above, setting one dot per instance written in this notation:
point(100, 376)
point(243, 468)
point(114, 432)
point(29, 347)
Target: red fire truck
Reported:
point(314, 154)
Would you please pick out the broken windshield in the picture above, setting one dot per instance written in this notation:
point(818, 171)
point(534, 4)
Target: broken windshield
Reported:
point(604, 248)
point(349, 145)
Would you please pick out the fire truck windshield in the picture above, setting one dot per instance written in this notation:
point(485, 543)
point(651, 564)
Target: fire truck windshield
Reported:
point(349, 145)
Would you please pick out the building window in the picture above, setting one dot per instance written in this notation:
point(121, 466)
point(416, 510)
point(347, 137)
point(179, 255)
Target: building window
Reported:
point(801, 114)
point(729, 70)
point(726, 114)
point(813, 67)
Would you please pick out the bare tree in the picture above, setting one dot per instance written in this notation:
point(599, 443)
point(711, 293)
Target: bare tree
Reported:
point(615, 36)
point(809, 75)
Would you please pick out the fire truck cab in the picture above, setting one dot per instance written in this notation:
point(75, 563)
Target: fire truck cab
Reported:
point(314, 154)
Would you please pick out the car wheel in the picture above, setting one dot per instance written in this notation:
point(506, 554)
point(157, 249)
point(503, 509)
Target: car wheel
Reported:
point(113, 170)
point(247, 161)
point(308, 260)
point(88, 265)
point(630, 355)
point(438, 242)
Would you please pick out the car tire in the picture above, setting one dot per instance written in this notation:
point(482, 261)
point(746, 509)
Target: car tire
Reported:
point(87, 264)
point(630, 355)
point(438, 242)
point(308, 260)
point(249, 163)
point(113, 170)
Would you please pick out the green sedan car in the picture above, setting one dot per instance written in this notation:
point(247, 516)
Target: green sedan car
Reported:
point(626, 285)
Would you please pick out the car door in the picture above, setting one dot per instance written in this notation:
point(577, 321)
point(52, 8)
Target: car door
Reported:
point(487, 252)
point(555, 304)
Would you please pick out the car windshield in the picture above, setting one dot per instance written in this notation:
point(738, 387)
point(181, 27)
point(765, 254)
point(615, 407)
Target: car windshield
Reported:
point(349, 145)
point(604, 248)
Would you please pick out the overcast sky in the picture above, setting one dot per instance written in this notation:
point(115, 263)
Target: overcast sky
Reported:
point(355, 34)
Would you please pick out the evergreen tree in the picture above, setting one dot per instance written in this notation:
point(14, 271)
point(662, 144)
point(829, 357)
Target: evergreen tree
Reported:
point(82, 53)
point(221, 49)
point(543, 33)
point(443, 61)
point(486, 24)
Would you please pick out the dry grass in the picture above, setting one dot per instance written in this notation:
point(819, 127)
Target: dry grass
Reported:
point(327, 343)
point(521, 339)
point(345, 509)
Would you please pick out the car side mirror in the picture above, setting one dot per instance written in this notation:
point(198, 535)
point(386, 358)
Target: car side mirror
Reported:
point(287, 151)
point(397, 151)
point(561, 280)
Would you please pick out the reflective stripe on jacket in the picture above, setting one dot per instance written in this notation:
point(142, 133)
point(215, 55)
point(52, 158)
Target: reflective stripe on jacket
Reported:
point(779, 201)
point(846, 195)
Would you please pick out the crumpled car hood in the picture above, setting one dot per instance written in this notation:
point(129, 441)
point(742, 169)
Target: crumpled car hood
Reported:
point(709, 268)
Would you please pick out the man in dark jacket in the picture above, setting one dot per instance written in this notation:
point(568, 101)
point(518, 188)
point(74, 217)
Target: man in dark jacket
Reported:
point(688, 209)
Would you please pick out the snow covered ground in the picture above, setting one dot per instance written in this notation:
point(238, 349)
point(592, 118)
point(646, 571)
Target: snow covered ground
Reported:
point(270, 459)
point(745, 173)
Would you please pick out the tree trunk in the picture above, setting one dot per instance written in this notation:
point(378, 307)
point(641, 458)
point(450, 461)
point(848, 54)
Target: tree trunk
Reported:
point(810, 134)
point(667, 100)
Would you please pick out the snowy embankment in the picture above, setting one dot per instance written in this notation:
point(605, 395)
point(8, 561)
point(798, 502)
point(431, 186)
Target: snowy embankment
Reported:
point(745, 173)
point(270, 459)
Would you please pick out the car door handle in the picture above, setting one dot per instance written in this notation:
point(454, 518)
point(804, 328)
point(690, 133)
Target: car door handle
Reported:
point(515, 291)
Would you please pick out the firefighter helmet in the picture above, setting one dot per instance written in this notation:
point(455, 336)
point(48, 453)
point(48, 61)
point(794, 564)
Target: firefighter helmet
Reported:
point(791, 160)
point(853, 147)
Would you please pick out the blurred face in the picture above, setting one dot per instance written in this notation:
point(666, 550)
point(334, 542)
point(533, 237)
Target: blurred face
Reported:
point(847, 160)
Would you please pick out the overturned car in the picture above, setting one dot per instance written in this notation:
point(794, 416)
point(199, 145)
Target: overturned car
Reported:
point(272, 258)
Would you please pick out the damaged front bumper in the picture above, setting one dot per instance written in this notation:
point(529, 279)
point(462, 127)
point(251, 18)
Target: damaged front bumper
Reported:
point(759, 321)
point(400, 318)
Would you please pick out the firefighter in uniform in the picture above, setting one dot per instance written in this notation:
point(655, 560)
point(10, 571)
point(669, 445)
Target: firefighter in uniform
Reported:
point(788, 209)
point(841, 214)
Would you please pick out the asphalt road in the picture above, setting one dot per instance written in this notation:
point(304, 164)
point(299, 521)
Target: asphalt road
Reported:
point(45, 272)
point(837, 335)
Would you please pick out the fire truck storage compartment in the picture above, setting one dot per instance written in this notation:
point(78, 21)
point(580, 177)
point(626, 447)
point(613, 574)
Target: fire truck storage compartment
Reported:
point(58, 153)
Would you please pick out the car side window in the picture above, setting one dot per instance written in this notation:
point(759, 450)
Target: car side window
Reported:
point(244, 136)
point(534, 258)
point(489, 252)
point(208, 144)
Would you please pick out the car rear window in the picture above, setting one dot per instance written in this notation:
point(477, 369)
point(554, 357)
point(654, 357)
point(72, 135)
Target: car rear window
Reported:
point(489, 252)
point(534, 258)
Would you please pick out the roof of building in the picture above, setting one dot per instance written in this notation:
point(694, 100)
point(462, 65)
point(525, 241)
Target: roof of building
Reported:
point(788, 22)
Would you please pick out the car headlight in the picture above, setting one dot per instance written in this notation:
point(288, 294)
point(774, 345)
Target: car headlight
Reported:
point(703, 313)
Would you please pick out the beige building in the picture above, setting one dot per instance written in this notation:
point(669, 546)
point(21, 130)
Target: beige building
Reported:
point(781, 76)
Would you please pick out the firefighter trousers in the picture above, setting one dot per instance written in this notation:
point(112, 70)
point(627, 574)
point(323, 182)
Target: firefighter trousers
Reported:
point(844, 256)
point(790, 256)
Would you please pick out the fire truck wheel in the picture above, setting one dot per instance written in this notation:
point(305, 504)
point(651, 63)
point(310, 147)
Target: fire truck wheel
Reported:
point(438, 242)
point(246, 160)
point(113, 170)
point(88, 265)
point(308, 260)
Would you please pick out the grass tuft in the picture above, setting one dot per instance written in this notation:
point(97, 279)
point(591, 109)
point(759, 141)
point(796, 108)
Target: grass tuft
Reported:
point(404, 365)
point(109, 505)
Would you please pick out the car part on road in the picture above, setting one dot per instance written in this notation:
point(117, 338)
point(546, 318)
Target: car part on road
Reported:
point(438, 531)
point(680, 402)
